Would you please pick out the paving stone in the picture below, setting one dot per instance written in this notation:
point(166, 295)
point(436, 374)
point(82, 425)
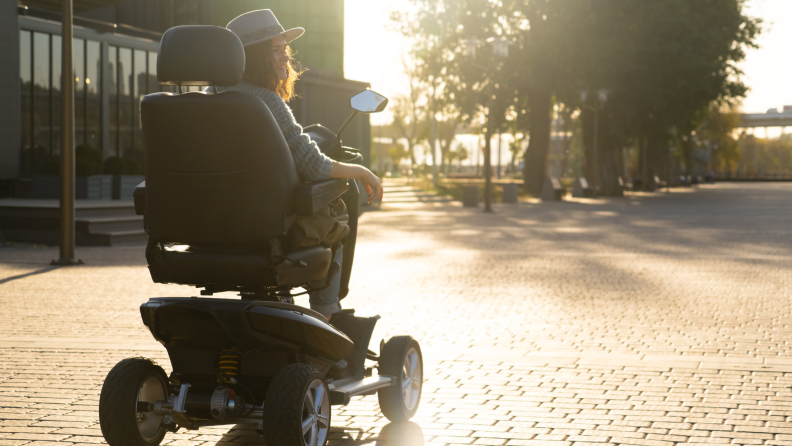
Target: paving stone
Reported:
point(656, 319)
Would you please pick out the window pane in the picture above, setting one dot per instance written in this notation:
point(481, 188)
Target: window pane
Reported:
point(125, 84)
point(141, 89)
point(153, 85)
point(41, 98)
point(26, 84)
point(79, 91)
point(112, 74)
point(92, 89)
point(57, 66)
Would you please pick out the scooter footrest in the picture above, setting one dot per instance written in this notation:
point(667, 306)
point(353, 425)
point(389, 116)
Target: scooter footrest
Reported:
point(339, 397)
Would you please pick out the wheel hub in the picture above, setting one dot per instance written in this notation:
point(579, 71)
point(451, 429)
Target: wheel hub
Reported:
point(316, 414)
point(149, 424)
point(412, 378)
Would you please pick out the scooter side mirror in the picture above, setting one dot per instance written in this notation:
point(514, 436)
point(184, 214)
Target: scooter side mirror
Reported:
point(368, 101)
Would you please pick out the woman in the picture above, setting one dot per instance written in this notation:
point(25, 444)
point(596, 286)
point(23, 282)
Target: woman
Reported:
point(270, 75)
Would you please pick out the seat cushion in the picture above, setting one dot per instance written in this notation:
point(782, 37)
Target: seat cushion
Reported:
point(237, 271)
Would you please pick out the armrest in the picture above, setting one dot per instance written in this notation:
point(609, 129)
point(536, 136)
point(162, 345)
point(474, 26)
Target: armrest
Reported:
point(309, 198)
point(139, 195)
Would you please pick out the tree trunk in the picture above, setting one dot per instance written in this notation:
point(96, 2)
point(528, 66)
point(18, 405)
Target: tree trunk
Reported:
point(608, 156)
point(488, 163)
point(642, 164)
point(687, 152)
point(655, 158)
point(609, 172)
point(411, 149)
point(539, 121)
point(587, 121)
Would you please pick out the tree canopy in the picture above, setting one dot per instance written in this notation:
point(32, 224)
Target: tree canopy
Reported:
point(663, 63)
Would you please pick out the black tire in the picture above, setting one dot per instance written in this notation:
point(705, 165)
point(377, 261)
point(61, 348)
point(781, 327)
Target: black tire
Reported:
point(395, 404)
point(284, 411)
point(118, 416)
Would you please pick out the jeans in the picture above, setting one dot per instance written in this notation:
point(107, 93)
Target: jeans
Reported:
point(326, 301)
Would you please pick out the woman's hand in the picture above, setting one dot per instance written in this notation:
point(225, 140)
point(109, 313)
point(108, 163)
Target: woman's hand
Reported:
point(373, 186)
point(371, 183)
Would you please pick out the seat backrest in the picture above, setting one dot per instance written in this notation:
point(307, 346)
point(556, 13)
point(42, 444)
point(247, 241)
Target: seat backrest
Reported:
point(218, 170)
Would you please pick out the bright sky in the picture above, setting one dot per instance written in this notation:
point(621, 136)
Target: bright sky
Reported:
point(767, 70)
point(373, 54)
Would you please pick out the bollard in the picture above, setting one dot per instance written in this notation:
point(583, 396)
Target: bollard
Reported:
point(581, 189)
point(510, 193)
point(470, 196)
point(552, 190)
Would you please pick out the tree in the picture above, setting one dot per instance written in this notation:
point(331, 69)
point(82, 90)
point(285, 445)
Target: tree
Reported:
point(716, 131)
point(537, 65)
point(458, 88)
point(446, 132)
point(408, 109)
point(397, 154)
point(406, 123)
point(664, 64)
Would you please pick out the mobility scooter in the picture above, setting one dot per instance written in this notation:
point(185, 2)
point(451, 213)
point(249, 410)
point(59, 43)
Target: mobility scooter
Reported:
point(219, 199)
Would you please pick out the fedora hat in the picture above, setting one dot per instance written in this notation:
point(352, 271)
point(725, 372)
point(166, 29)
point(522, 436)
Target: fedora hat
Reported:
point(261, 25)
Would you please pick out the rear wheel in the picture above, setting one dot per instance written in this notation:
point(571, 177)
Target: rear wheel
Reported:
point(297, 408)
point(401, 359)
point(126, 403)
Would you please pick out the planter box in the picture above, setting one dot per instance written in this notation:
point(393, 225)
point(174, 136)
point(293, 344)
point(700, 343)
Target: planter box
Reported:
point(94, 187)
point(124, 185)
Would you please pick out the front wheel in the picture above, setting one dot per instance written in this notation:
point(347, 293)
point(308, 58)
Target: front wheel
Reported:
point(127, 400)
point(297, 408)
point(401, 359)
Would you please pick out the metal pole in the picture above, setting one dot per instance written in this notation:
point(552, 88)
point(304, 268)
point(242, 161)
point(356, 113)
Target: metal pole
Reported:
point(433, 142)
point(488, 160)
point(67, 160)
point(668, 170)
point(488, 168)
point(499, 153)
point(595, 166)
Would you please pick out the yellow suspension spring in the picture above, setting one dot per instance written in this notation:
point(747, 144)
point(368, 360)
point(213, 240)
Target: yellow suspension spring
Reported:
point(228, 364)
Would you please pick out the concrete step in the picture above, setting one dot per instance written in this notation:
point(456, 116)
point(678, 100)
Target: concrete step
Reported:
point(111, 238)
point(97, 222)
point(419, 199)
point(113, 223)
point(115, 238)
point(406, 193)
point(400, 188)
point(97, 211)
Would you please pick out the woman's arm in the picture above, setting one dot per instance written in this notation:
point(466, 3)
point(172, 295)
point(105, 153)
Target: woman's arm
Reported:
point(370, 181)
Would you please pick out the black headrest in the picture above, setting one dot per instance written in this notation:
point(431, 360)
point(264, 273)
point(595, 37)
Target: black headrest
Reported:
point(200, 55)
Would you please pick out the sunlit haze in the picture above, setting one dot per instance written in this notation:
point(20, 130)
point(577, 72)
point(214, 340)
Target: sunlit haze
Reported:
point(767, 69)
point(373, 53)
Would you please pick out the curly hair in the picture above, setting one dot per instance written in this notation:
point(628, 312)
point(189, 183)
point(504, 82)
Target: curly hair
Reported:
point(260, 70)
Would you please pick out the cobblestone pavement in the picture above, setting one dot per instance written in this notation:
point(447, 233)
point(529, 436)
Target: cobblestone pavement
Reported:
point(656, 319)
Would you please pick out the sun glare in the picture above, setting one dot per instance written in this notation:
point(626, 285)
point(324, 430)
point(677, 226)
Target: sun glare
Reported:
point(372, 52)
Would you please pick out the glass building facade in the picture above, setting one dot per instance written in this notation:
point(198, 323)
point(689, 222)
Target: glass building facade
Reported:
point(115, 58)
point(109, 81)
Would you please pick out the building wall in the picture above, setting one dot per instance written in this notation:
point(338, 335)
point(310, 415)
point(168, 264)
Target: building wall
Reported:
point(321, 48)
point(10, 93)
point(111, 74)
point(106, 108)
point(325, 101)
